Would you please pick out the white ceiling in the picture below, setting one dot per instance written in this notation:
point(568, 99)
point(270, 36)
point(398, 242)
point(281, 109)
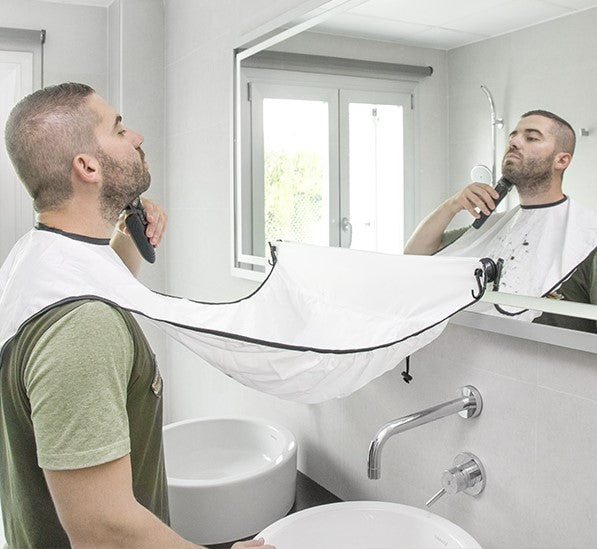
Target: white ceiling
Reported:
point(100, 3)
point(446, 24)
point(441, 24)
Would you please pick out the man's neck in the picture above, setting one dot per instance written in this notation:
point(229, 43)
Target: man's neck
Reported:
point(537, 198)
point(76, 223)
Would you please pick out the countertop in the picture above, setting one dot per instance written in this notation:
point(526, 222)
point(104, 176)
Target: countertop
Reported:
point(308, 494)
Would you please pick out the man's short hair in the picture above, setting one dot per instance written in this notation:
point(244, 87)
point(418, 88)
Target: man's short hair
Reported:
point(44, 133)
point(565, 135)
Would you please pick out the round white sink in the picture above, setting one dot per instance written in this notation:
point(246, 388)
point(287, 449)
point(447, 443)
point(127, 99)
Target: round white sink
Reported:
point(366, 525)
point(228, 477)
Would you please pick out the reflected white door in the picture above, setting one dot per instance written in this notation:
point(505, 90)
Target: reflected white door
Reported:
point(16, 211)
point(376, 161)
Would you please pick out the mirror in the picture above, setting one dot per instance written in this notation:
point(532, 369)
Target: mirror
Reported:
point(527, 58)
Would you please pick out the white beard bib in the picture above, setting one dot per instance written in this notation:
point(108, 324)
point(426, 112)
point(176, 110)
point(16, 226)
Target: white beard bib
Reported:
point(540, 246)
point(324, 323)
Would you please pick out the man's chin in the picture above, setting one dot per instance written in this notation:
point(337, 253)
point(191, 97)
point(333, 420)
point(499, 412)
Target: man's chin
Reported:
point(141, 189)
point(510, 174)
point(147, 182)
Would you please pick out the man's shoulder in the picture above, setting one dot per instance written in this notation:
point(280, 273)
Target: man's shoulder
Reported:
point(78, 312)
point(74, 324)
point(74, 338)
point(93, 310)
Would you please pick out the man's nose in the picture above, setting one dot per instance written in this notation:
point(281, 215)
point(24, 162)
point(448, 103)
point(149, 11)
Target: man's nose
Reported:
point(136, 138)
point(514, 142)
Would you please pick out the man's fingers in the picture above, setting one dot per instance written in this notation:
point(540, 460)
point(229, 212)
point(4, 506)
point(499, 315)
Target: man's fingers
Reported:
point(479, 196)
point(156, 222)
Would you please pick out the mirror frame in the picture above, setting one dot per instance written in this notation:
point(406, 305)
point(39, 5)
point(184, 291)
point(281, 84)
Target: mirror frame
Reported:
point(300, 20)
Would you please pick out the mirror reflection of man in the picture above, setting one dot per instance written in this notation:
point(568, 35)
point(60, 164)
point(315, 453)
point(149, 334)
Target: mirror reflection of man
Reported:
point(541, 241)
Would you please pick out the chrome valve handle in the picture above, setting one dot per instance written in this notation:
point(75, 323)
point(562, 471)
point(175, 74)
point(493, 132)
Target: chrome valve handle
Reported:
point(467, 475)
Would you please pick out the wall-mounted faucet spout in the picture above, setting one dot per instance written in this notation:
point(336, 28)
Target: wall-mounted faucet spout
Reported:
point(468, 405)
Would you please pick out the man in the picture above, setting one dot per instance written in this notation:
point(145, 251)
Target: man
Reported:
point(81, 459)
point(543, 239)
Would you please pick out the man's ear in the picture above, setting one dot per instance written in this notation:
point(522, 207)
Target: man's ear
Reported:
point(562, 161)
point(86, 168)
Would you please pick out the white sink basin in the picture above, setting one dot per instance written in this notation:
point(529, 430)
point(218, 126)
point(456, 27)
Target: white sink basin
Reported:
point(228, 477)
point(366, 525)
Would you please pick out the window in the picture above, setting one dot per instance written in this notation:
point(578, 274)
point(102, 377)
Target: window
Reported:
point(328, 158)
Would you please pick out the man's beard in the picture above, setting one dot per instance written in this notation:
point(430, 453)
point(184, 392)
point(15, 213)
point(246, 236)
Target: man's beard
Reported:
point(530, 175)
point(122, 181)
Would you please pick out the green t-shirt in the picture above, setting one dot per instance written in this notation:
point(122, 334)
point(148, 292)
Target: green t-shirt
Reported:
point(79, 386)
point(581, 287)
point(452, 236)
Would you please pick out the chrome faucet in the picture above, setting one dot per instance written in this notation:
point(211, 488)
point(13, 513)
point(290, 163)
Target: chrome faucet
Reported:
point(469, 405)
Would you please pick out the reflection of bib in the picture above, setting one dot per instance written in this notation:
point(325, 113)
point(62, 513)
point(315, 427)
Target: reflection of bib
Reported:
point(540, 245)
point(325, 322)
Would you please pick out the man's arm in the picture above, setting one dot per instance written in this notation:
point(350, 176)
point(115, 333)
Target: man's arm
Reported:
point(123, 244)
point(427, 237)
point(97, 508)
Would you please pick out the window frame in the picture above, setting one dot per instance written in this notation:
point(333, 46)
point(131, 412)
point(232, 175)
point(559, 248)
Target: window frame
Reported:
point(251, 79)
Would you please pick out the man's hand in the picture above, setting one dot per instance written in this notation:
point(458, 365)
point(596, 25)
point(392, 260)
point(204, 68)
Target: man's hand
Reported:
point(427, 238)
point(156, 222)
point(123, 244)
point(252, 543)
point(475, 195)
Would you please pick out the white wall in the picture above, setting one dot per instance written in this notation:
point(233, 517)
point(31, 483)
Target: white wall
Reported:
point(75, 48)
point(542, 67)
point(535, 435)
